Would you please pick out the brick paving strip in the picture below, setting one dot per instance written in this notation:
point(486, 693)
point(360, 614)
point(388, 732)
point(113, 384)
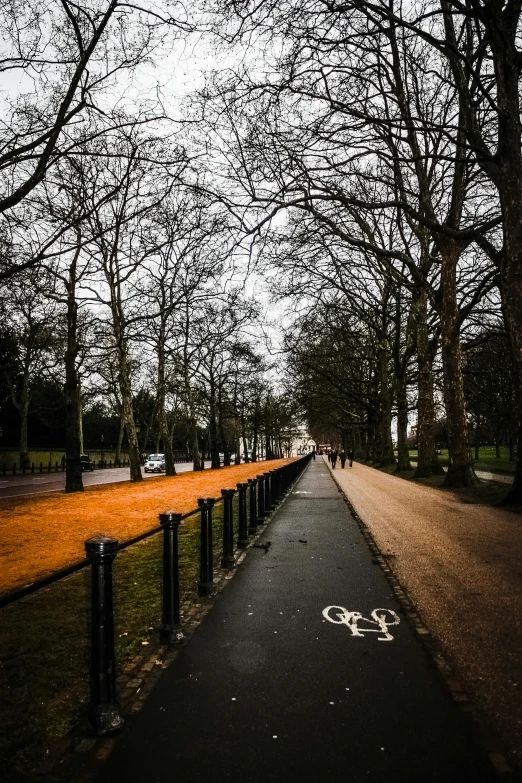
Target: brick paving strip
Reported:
point(460, 567)
point(268, 689)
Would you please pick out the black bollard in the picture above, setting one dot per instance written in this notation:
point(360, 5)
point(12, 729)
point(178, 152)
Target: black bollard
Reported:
point(104, 710)
point(206, 566)
point(170, 629)
point(242, 536)
point(227, 561)
point(268, 499)
point(279, 491)
point(32, 467)
point(56, 467)
point(252, 523)
point(260, 499)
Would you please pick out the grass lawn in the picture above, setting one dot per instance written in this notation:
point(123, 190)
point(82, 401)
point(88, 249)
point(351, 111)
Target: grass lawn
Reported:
point(41, 534)
point(487, 460)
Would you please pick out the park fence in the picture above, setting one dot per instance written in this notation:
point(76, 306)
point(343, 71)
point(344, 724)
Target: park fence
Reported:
point(226, 525)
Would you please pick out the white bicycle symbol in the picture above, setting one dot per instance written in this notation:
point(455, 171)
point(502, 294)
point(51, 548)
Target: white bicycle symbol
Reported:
point(382, 618)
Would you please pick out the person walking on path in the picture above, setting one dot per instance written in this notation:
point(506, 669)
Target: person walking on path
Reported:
point(342, 457)
point(350, 457)
point(334, 458)
point(329, 455)
point(313, 455)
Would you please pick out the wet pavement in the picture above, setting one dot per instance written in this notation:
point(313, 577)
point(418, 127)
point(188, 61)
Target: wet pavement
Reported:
point(304, 670)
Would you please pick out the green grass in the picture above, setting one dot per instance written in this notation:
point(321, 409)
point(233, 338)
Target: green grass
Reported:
point(487, 460)
point(44, 642)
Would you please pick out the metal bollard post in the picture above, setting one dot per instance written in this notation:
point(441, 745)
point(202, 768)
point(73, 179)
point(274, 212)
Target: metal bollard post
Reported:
point(23, 468)
point(41, 467)
point(252, 526)
point(49, 467)
point(261, 499)
point(3, 469)
point(227, 561)
point(56, 467)
point(32, 467)
point(242, 536)
point(268, 499)
point(104, 710)
point(206, 566)
point(170, 629)
point(14, 469)
point(279, 489)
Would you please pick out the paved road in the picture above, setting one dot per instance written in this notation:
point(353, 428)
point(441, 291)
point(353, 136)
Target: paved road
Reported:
point(268, 689)
point(20, 486)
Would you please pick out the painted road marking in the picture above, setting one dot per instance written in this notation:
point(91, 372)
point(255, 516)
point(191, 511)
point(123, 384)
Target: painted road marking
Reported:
point(382, 618)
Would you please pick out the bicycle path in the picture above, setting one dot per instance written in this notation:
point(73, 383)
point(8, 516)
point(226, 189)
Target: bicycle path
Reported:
point(269, 689)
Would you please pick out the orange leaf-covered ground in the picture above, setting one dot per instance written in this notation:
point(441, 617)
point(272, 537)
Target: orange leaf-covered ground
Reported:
point(39, 535)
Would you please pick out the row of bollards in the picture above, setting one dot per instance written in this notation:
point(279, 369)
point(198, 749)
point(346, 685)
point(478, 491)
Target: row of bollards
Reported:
point(264, 493)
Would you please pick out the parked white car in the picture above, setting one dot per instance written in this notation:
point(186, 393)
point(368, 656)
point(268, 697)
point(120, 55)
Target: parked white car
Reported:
point(155, 463)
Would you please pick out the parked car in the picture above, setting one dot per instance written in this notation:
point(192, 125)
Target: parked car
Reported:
point(155, 463)
point(86, 462)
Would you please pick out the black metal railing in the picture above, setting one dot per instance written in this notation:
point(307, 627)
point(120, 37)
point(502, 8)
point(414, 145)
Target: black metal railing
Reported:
point(226, 526)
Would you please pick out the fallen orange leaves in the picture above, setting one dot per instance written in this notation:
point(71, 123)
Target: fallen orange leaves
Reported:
point(40, 535)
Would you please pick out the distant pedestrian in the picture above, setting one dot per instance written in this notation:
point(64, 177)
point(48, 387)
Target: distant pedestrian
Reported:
point(334, 458)
point(350, 457)
point(313, 455)
point(329, 455)
point(342, 457)
point(63, 462)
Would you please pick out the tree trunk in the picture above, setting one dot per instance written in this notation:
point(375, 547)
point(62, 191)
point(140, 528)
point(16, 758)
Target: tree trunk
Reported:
point(23, 410)
point(425, 407)
point(221, 426)
point(164, 432)
point(245, 444)
point(120, 435)
point(511, 293)
point(130, 427)
point(460, 471)
point(73, 406)
point(212, 427)
point(403, 453)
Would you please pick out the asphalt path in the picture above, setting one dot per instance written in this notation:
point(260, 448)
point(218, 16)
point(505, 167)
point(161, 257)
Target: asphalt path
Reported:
point(276, 686)
point(41, 483)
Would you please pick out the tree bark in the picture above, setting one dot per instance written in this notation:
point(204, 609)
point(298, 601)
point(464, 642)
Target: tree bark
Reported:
point(164, 430)
point(403, 453)
point(427, 460)
point(73, 409)
point(460, 470)
point(212, 427)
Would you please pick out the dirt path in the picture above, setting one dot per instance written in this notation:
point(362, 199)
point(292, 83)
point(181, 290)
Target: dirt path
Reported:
point(461, 565)
point(38, 535)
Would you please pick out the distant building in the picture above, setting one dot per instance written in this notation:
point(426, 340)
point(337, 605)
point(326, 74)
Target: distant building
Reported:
point(302, 444)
